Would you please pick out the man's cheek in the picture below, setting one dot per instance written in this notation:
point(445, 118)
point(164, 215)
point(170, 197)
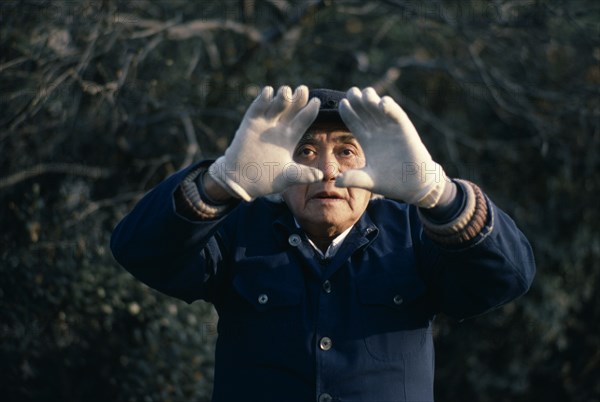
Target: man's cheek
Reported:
point(359, 162)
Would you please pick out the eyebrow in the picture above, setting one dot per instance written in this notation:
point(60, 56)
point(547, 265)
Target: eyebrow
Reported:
point(309, 138)
point(346, 138)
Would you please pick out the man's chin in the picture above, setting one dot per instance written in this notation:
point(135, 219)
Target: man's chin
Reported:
point(325, 219)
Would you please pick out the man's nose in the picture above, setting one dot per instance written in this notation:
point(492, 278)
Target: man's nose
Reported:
point(330, 167)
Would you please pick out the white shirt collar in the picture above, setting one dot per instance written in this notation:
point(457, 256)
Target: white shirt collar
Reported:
point(335, 243)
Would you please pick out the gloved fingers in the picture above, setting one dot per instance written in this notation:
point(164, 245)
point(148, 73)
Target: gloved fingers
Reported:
point(371, 102)
point(355, 178)
point(394, 112)
point(281, 102)
point(298, 100)
point(302, 120)
point(359, 104)
point(355, 124)
point(261, 103)
point(296, 173)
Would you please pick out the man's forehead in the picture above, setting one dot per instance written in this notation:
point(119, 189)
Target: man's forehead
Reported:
point(337, 136)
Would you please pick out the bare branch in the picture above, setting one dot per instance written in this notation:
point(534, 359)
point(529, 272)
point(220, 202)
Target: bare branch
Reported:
point(41, 97)
point(510, 106)
point(212, 50)
point(155, 164)
point(435, 122)
point(12, 63)
point(94, 206)
point(193, 63)
point(154, 27)
point(391, 76)
point(192, 148)
point(211, 134)
point(148, 48)
point(197, 27)
point(190, 29)
point(75, 169)
point(387, 83)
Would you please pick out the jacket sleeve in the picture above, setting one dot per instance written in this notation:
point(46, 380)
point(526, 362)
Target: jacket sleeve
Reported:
point(168, 251)
point(477, 264)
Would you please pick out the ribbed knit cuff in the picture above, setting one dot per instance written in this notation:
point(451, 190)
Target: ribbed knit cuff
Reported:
point(464, 227)
point(218, 172)
point(191, 201)
point(450, 205)
point(434, 193)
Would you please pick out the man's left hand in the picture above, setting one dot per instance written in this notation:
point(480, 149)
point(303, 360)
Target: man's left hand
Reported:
point(398, 164)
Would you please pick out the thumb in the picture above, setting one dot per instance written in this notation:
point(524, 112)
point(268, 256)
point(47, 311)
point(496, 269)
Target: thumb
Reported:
point(355, 178)
point(296, 173)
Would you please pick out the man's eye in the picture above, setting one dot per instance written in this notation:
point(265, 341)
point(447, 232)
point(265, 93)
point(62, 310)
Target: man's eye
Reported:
point(348, 152)
point(306, 152)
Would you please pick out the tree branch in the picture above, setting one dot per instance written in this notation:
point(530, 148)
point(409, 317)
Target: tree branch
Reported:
point(192, 148)
point(75, 169)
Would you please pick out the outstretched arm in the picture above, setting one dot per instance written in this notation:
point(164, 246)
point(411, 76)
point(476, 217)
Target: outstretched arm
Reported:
point(471, 253)
point(175, 239)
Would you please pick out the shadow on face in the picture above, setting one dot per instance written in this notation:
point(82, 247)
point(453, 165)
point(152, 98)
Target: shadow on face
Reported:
point(321, 208)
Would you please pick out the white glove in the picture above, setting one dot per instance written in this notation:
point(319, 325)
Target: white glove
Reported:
point(398, 164)
point(259, 160)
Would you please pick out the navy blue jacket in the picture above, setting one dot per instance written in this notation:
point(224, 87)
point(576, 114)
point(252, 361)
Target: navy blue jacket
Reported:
point(294, 327)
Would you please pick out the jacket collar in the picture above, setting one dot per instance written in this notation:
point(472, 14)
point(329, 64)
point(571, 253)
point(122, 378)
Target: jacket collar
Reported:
point(363, 232)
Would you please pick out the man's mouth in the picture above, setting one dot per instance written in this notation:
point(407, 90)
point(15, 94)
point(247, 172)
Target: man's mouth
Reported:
point(327, 195)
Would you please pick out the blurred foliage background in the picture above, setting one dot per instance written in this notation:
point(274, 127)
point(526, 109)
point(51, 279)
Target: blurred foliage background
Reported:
point(101, 100)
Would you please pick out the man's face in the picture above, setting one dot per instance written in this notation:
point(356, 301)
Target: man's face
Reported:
point(322, 208)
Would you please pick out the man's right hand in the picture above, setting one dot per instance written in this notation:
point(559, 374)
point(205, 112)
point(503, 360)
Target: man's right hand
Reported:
point(259, 160)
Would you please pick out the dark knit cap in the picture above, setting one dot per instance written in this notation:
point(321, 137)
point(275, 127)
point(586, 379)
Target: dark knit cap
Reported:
point(330, 100)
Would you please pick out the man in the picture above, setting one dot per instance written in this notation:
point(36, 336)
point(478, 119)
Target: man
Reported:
point(324, 291)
